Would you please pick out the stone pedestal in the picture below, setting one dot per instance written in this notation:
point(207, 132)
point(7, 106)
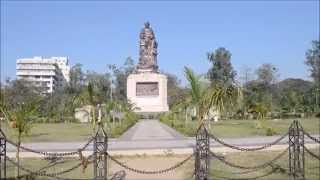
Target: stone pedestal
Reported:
point(148, 92)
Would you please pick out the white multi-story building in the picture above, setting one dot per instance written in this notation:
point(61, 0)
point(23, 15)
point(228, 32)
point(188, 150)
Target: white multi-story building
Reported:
point(47, 73)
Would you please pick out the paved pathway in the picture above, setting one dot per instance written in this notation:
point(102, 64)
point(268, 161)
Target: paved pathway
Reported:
point(150, 130)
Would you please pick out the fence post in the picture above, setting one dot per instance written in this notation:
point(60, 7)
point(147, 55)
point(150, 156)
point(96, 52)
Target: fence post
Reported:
point(296, 152)
point(202, 154)
point(100, 146)
point(3, 160)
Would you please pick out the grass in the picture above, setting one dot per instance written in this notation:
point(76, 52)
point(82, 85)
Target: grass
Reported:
point(65, 132)
point(219, 169)
point(312, 166)
point(139, 162)
point(35, 164)
point(244, 128)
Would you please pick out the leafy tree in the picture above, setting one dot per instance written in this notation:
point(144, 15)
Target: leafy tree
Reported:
point(246, 75)
point(175, 92)
point(77, 78)
point(293, 94)
point(100, 84)
point(262, 90)
point(313, 61)
point(88, 96)
point(267, 74)
point(222, 70)
point(17, 91)
point(121, 75)
point(53, 106)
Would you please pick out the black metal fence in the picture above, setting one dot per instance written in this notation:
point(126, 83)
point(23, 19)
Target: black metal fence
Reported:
point(202, 154)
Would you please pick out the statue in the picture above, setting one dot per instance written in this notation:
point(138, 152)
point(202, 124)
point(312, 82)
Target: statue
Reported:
point(148, 50)
point(146, 86)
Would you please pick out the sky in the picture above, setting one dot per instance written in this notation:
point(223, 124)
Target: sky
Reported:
point(98, 33)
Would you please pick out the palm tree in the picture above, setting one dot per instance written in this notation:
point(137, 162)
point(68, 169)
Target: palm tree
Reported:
point(182, 105)
point(212, 96)
point(115, 106)
point(20, 120)
point(88, 97)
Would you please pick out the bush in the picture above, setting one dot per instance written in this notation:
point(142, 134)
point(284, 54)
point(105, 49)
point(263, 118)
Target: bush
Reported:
point(270, 131)
point(129, 119)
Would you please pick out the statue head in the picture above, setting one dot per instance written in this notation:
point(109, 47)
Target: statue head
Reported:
point(147, 24)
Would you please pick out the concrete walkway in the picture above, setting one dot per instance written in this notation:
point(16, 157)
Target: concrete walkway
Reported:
point(150, 130)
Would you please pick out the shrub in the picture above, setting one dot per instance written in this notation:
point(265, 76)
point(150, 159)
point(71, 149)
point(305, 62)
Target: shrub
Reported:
point(270, 131)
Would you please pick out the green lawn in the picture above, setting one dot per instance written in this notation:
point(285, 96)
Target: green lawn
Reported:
point(63, 132)
point(312, 166)
point(35, 164)
point(244, 128)
point(217, 168)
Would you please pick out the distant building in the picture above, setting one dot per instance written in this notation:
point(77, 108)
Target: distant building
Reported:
point(47, 73)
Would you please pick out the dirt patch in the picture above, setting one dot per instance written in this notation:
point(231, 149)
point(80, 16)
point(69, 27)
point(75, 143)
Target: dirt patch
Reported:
point(151, 163)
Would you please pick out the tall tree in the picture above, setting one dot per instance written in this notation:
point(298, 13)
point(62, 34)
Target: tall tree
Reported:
point(175, 92)
point(259, 93)
point(17, 91)
point(267, 74)
point(221, 70)
point(246, 75)
point(120, 75)
point(100, 84)
point(313, 61)
point(77, 78)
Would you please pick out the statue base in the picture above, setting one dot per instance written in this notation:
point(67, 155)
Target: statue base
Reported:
point(147, 91)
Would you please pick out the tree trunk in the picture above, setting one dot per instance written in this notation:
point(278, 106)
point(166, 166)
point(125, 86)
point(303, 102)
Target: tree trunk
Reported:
point(93, 119)
point(186, 117)
point(18, 156)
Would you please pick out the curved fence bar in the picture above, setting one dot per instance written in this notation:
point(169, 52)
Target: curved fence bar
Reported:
point(148, 171)
point(248, 149)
